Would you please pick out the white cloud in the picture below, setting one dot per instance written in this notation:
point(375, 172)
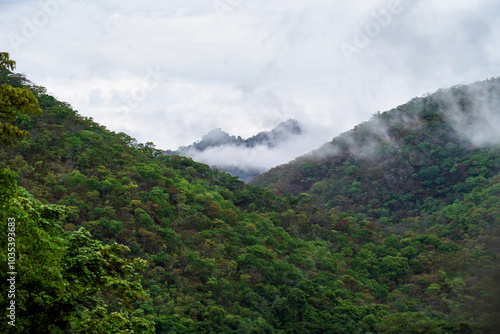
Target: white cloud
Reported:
point(265, 62)
point(261, 157)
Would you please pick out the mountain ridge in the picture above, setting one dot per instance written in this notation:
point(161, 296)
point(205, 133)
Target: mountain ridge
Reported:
point(218, 140)
point(218, 137)
point(386, 131)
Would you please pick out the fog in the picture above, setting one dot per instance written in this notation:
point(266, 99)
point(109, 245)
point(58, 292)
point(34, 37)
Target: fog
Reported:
point(170, 71)
point(477, 117)
point(262, 157)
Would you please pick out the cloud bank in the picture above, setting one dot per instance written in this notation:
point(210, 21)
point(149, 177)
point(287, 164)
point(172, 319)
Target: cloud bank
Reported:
point(169, 72)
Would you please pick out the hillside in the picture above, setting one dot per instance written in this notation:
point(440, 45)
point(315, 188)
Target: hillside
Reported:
point(421, 149)
point(225, 257)
point(429, 165)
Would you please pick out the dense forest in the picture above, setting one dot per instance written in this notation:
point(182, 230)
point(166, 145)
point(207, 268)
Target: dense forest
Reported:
point(390, 228)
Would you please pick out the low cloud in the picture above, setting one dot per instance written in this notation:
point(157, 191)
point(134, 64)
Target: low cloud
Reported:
point(260, 158)
point(474, 111)
point(265, 62)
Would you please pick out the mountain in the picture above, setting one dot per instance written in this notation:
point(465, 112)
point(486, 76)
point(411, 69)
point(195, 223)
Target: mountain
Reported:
point(216, 138)
point(391, 228)
point(220, 144)
point(429, 165)
point(401, 149)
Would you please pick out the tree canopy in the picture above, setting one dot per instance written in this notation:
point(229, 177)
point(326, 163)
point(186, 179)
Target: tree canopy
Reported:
point(375, 236)
point(14, 102)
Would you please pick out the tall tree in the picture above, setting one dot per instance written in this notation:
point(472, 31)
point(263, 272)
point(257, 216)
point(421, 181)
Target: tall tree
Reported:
point(6, 63)
point(13, 102)
point(61, 281)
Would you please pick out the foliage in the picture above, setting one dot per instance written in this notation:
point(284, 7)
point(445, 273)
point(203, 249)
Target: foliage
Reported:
point(13, 102)
point(401, 236)
point(60, 276)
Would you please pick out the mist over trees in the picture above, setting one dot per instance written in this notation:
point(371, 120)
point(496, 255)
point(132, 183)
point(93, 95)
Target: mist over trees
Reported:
point(246, 158)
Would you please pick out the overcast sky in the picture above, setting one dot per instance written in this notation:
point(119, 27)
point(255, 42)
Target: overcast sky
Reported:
point(171, 71)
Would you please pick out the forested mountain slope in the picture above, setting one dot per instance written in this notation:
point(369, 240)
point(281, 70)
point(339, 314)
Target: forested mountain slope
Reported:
point(225, 257)
point(424, 154)
point(429, 165)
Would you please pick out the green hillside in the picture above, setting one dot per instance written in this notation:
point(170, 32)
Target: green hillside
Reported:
point(225, 257)
point(430, 166)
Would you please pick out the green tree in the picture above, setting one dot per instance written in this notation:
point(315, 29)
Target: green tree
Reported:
point(60, 278)
point(6, 63)
point(14, 102)
point(408, 323)
point(393, 267)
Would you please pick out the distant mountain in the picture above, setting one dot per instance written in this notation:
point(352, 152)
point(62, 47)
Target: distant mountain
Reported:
point(280, 134)
point(219, 140)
